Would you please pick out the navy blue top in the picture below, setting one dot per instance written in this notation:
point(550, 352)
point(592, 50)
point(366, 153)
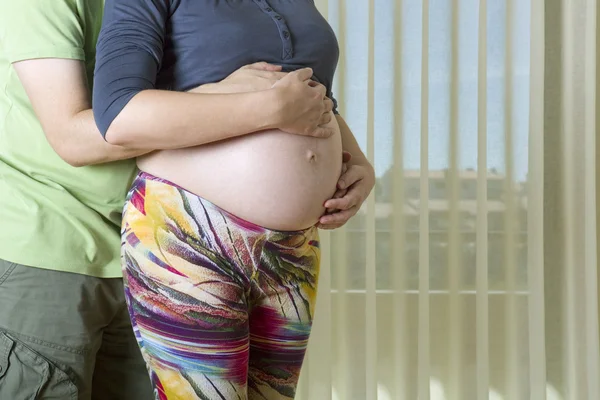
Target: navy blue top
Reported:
point(181, 44)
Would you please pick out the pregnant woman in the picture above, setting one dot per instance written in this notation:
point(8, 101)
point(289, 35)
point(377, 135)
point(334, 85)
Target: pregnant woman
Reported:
point(220, 239)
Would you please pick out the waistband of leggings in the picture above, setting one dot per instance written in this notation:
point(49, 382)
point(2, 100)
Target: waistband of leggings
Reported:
point(239, 221)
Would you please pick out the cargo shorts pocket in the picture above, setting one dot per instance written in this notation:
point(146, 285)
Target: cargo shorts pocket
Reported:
point(27, 375)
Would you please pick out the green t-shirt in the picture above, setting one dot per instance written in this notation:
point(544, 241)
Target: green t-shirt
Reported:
point(52, 215)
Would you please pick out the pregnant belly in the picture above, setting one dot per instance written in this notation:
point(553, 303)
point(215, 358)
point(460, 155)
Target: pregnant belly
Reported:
point(273, 179)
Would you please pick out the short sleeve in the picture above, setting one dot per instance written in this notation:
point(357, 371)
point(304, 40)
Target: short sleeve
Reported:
point(128, 55)
point(31, 29)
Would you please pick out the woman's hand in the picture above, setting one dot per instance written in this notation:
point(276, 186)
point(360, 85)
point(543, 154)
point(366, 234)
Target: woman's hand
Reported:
point(302, 107)
point(300, 104)
point(354, 186)
point(255, 77)
point(249, 78)
point(339, 193)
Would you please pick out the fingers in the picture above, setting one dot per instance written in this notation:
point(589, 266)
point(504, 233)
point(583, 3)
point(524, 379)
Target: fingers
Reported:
point(337, 195)
point(269, 74)
point(264, 66)
point(303, 74)
point(322, 132)
point(351, 176)
point(328, 104)
point(350, 200)
point(325, 119)
point(275, 75)
point(322, 92)
point(333, 221)
point(346, 157)
point(345, 203)
point(344, 166)
point(329, 227)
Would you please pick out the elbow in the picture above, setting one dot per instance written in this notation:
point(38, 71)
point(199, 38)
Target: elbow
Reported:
point(110, 129)
point(71, 157)
point(76, 163)
point(67, 147)
point(115, 125)
point(117, 136)
point(125, 130)
point(114, 137)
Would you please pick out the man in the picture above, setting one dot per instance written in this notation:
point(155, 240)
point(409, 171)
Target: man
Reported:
point(64, 328)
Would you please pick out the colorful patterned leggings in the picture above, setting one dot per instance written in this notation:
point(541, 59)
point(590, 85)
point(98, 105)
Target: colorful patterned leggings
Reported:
point(221, 308)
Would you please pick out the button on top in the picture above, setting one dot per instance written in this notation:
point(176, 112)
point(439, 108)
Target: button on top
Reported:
point(282, 27)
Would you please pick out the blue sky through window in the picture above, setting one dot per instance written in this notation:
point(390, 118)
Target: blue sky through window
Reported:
point(356, 59)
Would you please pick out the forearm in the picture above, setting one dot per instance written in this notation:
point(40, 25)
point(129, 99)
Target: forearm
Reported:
point(88, 148)
point(81, 144)
point(156, 119)
point(350, 144)
point(58, 92)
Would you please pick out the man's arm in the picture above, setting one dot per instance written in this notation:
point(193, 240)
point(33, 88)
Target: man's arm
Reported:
point(59, 94)
point(45, 42)
point(58, 91)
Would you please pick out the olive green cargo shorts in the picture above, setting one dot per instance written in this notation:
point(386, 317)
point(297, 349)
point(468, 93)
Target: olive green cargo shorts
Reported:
point(66, 336)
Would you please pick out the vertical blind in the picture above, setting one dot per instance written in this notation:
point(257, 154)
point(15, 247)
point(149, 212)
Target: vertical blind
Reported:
point(471, 272)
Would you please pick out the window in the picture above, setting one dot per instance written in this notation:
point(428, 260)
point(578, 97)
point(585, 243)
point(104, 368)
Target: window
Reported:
point(354, 107)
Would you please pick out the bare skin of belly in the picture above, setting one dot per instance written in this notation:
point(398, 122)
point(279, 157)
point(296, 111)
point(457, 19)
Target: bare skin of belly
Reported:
point(273, 179)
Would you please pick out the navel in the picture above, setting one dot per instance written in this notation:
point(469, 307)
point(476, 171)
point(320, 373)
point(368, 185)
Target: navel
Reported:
point(311, 156)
